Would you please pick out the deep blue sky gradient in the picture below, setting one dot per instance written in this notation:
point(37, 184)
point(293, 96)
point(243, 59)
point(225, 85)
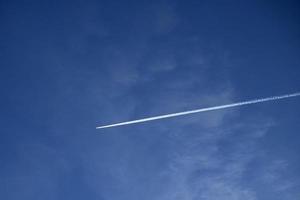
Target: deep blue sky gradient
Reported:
point(69, 66)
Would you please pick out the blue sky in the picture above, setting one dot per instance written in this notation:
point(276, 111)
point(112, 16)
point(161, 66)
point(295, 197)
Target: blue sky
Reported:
point(67, 67)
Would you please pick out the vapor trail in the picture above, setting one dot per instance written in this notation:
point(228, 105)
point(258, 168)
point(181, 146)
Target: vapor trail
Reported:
point(254, 101)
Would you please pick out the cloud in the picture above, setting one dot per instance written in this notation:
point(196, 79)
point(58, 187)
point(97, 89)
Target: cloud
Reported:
point(204, 171)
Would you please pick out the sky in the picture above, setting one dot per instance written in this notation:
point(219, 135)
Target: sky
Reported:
point(69, 66)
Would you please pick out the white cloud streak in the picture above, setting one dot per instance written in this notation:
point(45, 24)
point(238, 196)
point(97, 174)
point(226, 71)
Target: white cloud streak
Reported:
point(254, 101)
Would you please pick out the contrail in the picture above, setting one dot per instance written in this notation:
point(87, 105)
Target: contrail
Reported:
point(254, 101)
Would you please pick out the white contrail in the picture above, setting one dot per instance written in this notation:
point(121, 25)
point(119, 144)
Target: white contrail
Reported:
point(254, 101)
